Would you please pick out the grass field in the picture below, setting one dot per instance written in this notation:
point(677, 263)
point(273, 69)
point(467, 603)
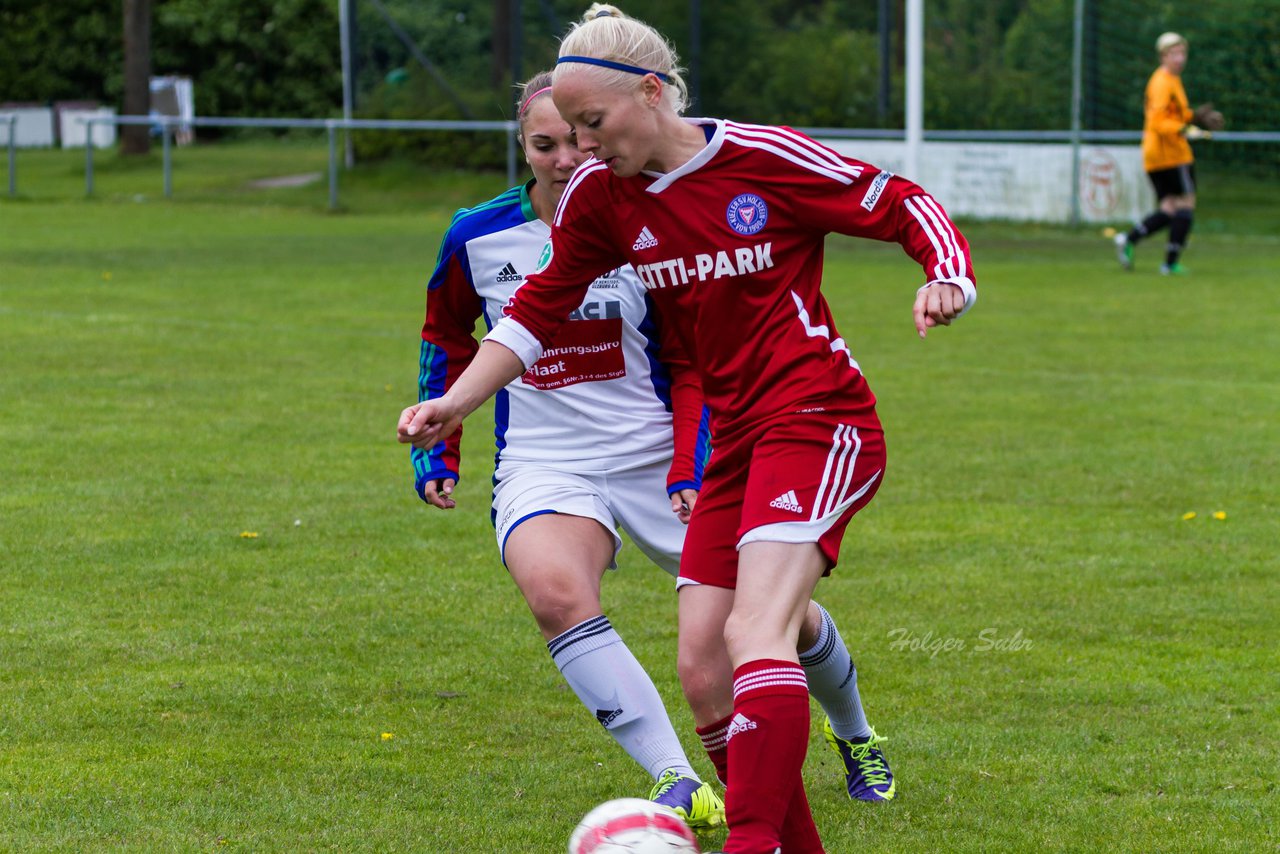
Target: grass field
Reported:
point(359, 675)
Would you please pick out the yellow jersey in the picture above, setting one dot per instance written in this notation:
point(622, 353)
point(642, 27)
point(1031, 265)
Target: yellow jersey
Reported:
point(1166, 114)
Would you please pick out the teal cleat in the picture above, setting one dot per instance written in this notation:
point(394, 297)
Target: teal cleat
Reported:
point(1124, 251)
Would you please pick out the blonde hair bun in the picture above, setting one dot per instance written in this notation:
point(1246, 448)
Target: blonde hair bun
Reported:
point(1167, 41)
point(601, 10)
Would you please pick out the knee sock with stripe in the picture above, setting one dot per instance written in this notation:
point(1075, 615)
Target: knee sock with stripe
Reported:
point(614, 687)
point(715, 740)
point(833, 680)
point(767, 740)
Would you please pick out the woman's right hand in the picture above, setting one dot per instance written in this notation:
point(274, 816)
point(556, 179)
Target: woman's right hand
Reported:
point(425, 424)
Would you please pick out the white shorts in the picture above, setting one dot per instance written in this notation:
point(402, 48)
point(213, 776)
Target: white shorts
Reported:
point(633, 499)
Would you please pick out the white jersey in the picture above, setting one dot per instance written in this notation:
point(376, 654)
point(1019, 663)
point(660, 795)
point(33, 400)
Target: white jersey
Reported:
point(600, 398)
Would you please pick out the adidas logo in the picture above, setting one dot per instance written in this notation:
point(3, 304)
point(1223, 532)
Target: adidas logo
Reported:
point(607, 716)
point(787, 501)
point(646, 240)
point(509, 274)
point(740, 723)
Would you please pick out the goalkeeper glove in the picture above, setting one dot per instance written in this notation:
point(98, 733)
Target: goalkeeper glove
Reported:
point(1207, 117)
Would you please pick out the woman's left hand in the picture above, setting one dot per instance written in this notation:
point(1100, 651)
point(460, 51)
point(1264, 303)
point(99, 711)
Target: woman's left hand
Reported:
point(682, 502)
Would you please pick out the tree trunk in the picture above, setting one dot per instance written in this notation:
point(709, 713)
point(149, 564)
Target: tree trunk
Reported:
point(500, 69)
point(136, 139)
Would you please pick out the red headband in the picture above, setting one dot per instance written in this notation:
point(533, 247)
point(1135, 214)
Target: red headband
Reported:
point(529, 100)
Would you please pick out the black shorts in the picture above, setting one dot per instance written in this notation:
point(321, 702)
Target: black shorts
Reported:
point(1178, 181)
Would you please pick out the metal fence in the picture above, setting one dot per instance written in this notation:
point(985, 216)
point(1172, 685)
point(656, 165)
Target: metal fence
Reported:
point(169, 125)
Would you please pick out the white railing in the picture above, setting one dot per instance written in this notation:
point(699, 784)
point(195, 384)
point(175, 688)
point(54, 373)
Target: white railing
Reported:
point(331, 126)
point(169, 124)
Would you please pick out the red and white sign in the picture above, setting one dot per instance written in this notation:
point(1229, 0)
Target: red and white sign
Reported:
point(584, 351)
point(1099, 182)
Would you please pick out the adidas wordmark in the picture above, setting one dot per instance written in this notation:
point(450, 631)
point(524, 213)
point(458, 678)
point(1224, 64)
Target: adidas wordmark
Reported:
point(787, 501)
point(740, 723)
point(646, 240)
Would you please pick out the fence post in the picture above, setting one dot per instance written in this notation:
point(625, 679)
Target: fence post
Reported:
point(168, 158)
point(88, 157)
point(333, 163)
point(1077, 54)
point(13, 160)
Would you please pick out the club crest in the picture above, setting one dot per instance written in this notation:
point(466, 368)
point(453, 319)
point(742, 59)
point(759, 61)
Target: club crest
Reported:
point(747, 213)
point(544, 260)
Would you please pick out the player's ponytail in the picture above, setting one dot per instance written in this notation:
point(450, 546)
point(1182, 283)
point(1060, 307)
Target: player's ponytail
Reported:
point(619, 49)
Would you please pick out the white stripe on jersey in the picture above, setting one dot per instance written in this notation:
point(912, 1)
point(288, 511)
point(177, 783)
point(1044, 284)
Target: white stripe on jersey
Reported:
point(948, 232)
point(837, 345)
point(787, 147)
point(582, 172)
point(933, 211)
point(941, 270)
point(797, 142)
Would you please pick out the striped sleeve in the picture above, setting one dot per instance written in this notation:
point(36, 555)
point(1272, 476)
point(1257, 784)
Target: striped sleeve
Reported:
point(831, 192)
point(448, 345)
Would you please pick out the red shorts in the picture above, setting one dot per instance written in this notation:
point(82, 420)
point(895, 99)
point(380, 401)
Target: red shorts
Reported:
point(797, 479)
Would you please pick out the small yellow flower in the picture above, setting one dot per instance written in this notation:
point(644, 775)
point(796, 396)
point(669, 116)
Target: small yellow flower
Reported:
point(1187, 517)
point(1221, 515)
point(248, 535)
point(387, 736)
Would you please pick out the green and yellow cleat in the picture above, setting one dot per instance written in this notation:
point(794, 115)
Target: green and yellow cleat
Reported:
point(693, 800)
point(866, 772)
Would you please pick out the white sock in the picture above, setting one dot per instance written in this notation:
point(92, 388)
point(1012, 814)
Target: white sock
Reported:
point(833, 680)
point(614, 687)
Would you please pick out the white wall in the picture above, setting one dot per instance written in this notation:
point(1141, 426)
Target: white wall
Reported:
point(34, 128)
point(1020, 181)
point(72, 130)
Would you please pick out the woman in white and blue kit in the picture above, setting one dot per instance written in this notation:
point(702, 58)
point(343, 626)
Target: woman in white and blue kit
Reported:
point(585, 445)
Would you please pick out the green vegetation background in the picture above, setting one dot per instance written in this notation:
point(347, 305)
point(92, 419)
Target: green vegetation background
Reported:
point(989, 65)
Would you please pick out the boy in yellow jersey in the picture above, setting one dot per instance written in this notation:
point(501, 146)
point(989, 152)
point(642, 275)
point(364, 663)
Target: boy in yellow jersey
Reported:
point(1166, 155)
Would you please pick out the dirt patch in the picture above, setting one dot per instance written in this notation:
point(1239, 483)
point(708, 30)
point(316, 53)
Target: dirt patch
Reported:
point(285, 181)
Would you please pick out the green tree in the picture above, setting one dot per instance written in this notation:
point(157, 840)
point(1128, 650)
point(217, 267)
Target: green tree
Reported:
point(247, 57)
point(57, 51)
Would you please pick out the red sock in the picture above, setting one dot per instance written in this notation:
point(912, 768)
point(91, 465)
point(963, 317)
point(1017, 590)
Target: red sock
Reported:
point(715, 740)
point(799, 833)
point(768, 737)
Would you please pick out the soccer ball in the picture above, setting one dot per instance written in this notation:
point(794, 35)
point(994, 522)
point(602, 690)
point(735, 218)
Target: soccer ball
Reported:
point(632, 826)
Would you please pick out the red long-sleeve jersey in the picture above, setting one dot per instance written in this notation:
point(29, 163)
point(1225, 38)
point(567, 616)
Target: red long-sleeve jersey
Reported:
point(730, 246)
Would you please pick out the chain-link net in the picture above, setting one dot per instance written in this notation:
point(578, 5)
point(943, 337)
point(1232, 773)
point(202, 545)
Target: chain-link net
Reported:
point(990, 65)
